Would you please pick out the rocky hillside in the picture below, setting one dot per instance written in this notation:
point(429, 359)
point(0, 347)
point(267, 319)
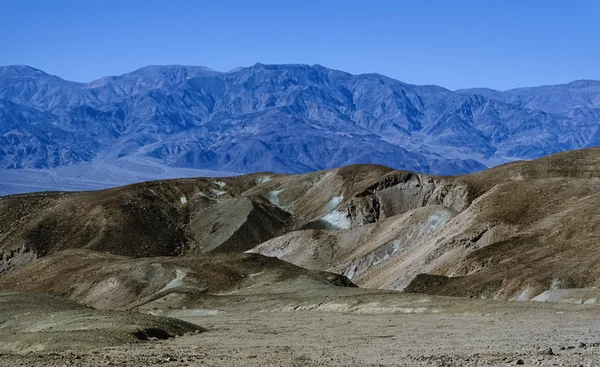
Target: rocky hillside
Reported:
point(285, 119)
point(512, 232)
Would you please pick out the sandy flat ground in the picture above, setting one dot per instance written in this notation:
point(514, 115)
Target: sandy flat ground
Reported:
point(337, 339)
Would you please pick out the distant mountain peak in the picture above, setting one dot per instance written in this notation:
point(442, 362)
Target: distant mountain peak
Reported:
point(20, 71)
point(155, 75)
point(584, 83)
point(163, 68)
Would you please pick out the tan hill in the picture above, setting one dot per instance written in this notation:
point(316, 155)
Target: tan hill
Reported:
point(35, 323)
point(511, 232)
point(106, 281)
point(193, 216)
point(161, 218)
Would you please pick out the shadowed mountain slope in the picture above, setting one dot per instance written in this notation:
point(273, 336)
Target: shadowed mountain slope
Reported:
point(285, 119)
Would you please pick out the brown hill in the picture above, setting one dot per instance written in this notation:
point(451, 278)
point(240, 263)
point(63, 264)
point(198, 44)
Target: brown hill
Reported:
point(106, 281)
point(175, 217)
point(513, 231)
point(161, 218)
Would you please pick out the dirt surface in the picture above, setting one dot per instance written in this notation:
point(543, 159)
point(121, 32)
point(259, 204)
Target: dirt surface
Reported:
point(335, 339)
point(30, 323)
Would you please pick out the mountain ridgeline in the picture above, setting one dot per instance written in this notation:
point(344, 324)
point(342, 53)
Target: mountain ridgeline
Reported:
point(285, 119)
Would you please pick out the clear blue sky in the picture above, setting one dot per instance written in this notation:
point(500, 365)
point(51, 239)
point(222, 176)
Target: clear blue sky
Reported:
point(453, 43)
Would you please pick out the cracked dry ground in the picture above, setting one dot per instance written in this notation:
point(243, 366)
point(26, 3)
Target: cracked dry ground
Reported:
point(336, 339)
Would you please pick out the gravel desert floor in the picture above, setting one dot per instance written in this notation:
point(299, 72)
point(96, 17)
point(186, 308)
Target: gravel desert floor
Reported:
point(547, 336)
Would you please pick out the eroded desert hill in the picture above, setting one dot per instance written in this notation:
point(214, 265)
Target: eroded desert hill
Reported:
point(105, 281)
point(514, 231)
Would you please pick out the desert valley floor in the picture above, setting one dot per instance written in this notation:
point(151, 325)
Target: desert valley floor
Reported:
point(442, 333)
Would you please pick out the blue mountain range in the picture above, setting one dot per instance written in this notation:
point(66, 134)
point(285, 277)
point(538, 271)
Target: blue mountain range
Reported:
point(285, 119)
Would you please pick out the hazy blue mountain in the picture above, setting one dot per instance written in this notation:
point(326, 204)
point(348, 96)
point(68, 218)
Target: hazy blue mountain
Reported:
point(284, 118)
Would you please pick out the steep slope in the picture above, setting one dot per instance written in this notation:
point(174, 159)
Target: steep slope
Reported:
point(551, 98)
point(355, 251)
point(160, 218)
point(521, 229)
point(285, 119)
